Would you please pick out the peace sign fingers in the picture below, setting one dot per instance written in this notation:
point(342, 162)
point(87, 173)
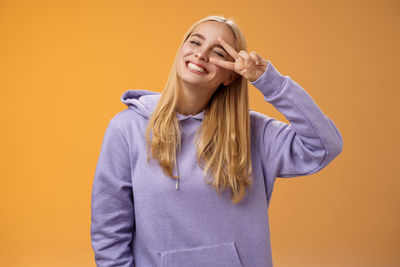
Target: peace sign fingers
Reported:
point(223, 63)
point(231, 51)
point(249, 65)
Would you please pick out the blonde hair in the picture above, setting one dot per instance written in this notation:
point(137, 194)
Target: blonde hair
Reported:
point(224, 144)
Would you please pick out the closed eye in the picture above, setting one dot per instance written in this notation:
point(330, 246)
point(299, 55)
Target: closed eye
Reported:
point(219, 54)
point(197, 43)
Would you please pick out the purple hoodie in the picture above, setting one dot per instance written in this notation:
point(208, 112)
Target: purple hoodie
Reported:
point(141, 217)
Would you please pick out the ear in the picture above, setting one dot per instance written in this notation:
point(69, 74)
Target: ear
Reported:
point(231, 78)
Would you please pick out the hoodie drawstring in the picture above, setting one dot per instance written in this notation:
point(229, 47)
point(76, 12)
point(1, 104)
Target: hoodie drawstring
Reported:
point(177, 171)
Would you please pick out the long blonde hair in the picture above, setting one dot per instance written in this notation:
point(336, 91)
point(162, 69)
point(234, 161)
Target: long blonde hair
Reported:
point(224, 144)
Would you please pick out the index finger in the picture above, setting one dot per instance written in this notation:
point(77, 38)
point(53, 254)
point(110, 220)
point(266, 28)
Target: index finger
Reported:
point(223, 63)
point(231, 51)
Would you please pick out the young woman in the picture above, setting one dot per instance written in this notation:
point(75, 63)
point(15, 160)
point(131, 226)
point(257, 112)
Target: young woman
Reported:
point(185, 178)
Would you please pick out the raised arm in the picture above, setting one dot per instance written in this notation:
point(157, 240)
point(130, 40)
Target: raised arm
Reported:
point(309, 142)
point(112, 218)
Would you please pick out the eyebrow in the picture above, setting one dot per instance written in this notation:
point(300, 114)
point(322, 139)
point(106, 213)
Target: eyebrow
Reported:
point(202, 37)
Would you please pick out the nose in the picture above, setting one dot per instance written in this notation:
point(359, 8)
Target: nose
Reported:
point(201, 54)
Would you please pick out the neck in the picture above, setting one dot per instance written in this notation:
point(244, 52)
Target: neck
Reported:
point(192, 101)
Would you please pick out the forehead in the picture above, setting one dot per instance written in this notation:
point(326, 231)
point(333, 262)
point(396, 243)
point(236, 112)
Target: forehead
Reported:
point(212, 29)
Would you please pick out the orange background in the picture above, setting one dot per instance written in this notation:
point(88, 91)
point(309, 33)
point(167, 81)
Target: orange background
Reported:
point(65, 64)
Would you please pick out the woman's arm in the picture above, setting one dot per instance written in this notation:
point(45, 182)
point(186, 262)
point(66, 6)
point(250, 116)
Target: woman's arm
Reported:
point(112, 218)
point(309, 142)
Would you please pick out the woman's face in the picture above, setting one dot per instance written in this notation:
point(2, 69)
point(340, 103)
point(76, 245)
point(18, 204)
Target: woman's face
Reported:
point(198, 48)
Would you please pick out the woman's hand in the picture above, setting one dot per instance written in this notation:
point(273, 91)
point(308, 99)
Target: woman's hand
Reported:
point(250, 65)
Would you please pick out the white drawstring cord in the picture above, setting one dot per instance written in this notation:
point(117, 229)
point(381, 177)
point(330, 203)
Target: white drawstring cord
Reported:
point(177, 171)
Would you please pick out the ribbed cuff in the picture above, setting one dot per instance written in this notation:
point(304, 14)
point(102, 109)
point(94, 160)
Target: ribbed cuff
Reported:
point(271, 82)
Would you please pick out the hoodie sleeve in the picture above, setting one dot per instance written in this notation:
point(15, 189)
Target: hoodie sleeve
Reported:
point(309, 142)
point(112, 218)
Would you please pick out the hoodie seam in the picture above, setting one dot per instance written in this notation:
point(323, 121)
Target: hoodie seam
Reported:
point(119, 132)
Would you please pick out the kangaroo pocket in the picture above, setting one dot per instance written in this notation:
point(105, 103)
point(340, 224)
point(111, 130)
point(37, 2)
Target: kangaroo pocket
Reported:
point(219, 255)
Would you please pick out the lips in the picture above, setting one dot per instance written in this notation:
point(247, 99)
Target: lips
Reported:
point(201, 66)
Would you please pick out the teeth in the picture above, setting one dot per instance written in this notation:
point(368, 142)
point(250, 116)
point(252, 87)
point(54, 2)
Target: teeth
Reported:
point(195, 67)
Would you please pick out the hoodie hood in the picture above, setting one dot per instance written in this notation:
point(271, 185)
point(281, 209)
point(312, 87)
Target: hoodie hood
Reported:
point(144, 102)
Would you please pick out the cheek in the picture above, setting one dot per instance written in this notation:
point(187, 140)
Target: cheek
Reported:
point(184, 49)
point(181, 59)
point(224, 73)
point(182, 54)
